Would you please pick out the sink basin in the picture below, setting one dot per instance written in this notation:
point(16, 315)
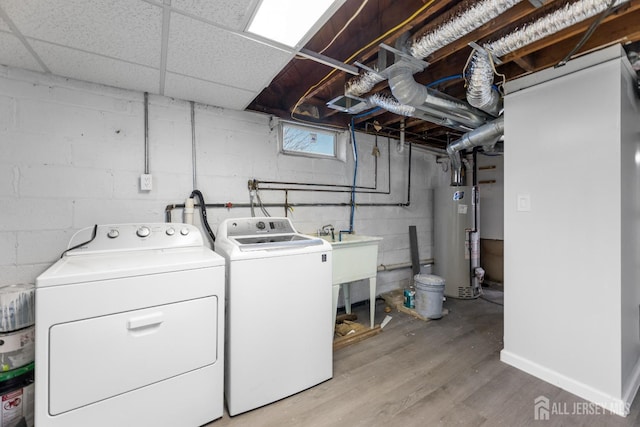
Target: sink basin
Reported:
point(354, 258)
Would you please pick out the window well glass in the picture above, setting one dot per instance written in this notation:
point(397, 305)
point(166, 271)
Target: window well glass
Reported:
point(308, 140)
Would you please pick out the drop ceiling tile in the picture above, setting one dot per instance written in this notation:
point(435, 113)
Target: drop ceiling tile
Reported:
point(209, 93)
point(233, 14)
point(14, 54)
point(201, 50)
point(98, 69)
point(124, 29)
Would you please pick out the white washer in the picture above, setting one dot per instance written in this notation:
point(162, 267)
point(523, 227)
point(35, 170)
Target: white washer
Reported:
point(279, 331)
point(130, 330)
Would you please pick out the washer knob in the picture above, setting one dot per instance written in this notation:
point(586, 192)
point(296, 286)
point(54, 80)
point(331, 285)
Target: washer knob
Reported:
point(170, 231)
point(184, 231)
point(113, 233)
point(260, 225)
point(143, 231)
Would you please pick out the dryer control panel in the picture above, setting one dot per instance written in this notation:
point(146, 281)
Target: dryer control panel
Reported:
point(119, 237)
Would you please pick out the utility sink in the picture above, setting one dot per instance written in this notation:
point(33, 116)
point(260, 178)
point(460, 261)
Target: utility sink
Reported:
point(355, 257)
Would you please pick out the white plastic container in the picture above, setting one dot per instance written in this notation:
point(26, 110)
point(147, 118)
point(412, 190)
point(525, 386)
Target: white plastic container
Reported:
point(17, 348)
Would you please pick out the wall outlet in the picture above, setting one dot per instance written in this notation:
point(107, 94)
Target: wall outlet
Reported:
point(146, 182)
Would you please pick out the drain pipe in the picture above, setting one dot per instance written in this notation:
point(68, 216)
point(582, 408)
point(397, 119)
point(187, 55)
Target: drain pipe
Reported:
point(487, 134)
point(480, 93)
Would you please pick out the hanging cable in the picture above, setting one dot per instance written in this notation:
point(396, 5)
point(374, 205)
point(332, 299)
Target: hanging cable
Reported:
point(203, 215)
point(93, 236)
point(587, 34)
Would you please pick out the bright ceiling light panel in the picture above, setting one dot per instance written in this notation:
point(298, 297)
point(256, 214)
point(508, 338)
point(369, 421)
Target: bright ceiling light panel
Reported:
point(287, 21)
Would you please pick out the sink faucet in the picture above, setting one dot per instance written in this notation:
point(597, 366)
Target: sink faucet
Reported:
point(328, 229)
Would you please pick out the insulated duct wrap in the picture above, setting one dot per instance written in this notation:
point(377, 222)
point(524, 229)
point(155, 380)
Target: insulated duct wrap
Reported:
point(480, 80)
point(362, 84)
point(459, 25)
point(467, 21)
point(389, 103)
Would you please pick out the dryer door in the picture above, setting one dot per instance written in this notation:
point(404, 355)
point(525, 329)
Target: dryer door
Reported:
point(95, 359)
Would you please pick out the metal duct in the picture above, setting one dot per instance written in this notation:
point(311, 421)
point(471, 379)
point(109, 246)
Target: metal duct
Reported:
point(409, 92)
point(467, 21)
point(459, 25)
point(391, 104)
point(487, 134)
point(480, 81)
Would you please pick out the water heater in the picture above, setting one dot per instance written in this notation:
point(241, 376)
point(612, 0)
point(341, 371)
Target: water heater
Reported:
point(456, 240)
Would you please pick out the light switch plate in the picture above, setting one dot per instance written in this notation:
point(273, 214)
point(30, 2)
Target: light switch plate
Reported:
point(524, 203)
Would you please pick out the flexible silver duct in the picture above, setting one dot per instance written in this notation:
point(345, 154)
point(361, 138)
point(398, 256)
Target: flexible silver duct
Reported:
point(480, 80)
point(487, 134)
point(362, 84)
point(409, 92)
point(459, 25)
point(467, 21)
point(391, 104)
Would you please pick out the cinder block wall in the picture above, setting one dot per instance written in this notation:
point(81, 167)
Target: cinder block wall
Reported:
point(73, 152)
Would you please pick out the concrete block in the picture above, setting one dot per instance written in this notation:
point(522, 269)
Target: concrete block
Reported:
point(65, 182)
point(43, 246)
point(8, 244)
point(7, 113)
point(35, 214)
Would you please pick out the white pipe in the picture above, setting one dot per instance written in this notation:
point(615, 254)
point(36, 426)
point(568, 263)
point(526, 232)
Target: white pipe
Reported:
point(188, 211)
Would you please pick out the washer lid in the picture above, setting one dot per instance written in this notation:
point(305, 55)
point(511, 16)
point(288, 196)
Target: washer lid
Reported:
point(114, 265)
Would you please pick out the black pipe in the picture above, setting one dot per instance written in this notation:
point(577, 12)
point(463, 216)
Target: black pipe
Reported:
point(230, 205)
point(313, 184)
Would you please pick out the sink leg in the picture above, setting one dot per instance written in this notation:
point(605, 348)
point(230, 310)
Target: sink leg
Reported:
point(346, 290)
point(372, 300)
point(336, 292)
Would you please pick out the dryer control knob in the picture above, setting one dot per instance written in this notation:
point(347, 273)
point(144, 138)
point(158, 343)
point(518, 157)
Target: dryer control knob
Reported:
point(113, 233)
point(170, 231)
point(143, 231)
point(184, 231)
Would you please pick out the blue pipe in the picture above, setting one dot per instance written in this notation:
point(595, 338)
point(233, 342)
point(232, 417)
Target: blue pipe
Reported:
point(444, 79)
point(355, 175)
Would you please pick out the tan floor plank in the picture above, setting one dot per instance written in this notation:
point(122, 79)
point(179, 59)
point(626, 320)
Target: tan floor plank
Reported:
point(417, 373)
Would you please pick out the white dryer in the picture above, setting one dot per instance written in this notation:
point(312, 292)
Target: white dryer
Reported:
point(279, 321)
point(130, 330)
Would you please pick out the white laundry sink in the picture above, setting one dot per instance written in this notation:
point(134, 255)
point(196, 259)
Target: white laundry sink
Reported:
point(354, 258)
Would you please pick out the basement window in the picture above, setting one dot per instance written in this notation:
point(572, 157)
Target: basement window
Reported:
point(308, 141)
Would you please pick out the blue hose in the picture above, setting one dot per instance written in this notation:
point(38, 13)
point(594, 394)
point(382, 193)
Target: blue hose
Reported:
point(355, 175)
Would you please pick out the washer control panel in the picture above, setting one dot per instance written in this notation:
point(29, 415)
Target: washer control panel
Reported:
point(119, 237)
point(259, 226)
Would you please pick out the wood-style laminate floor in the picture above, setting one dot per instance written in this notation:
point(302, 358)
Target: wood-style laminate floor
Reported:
point(439, 373)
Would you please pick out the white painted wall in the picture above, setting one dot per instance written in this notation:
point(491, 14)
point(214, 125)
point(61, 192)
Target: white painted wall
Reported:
point(571, 261)
point(491, 197)
point(72, 154)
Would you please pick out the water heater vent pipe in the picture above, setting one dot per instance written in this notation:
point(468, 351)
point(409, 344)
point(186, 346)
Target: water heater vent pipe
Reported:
point(487, 134)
